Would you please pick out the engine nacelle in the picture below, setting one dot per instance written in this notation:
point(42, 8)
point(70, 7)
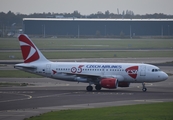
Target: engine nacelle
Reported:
point(109, 83)
point(123, 84)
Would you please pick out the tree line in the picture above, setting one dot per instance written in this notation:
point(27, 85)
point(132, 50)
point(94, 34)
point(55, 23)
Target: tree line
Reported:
point(8, 19)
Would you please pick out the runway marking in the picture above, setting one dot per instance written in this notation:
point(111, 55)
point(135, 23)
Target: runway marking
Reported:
point(87, 45)
point(149, 84)
point(148, 101)
point(28, 97)
point(46, 85)
point(11, 115)
point(18, 92)
point(109, 93)
point(51, 95)
point(20, 110)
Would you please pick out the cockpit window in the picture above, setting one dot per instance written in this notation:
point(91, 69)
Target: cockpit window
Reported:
point(155, 70)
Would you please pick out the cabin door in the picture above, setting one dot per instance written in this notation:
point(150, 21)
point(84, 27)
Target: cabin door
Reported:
point(48, 69)
point(142, 70)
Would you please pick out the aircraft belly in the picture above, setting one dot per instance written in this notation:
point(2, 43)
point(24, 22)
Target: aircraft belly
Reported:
point(64, 77)
point(128, 79)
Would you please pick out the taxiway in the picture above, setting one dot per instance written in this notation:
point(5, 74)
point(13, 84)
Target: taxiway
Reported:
point(43, 95)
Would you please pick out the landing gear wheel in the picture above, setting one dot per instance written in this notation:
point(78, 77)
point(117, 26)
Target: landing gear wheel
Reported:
point(98, 87)
point(89, 88)
point(144, 89)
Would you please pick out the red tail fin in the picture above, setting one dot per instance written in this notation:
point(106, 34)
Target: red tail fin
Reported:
point(29, 51)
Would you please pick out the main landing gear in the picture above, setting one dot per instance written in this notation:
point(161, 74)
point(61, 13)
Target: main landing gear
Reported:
point(98, 87)
point(144, 89)
point(90, 88)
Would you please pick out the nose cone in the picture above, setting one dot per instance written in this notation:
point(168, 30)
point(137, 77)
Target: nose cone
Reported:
point(164, 76)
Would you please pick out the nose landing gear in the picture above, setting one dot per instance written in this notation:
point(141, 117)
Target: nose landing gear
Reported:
point(144, 89)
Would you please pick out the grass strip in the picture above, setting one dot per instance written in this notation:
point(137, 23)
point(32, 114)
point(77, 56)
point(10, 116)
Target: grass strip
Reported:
point(66, 43)
point(6, 84)
point(156, 111)
point(91, 54)
point(16, 74)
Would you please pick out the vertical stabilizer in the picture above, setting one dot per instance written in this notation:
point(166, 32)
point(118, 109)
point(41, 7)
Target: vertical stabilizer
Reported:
point(29, 50)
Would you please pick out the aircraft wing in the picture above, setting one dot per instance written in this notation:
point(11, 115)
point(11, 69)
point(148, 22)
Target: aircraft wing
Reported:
point(89, 75)
point(84, 75)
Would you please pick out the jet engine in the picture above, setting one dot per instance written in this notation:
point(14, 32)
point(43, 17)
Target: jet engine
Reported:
point(109, 83)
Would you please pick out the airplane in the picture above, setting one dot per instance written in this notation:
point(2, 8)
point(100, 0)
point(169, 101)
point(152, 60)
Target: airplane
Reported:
point(102, 75)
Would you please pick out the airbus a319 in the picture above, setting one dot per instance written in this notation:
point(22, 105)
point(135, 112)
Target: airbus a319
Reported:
point(102, 75)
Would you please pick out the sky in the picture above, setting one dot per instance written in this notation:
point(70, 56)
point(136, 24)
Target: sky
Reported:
point(87, 7)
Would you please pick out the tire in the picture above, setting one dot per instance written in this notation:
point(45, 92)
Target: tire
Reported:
point(98, 87)
point(89, 88)
point(144, 89)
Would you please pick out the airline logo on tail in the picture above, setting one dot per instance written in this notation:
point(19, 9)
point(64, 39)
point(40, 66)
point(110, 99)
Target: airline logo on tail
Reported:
point(132, 71)
point(29, 51)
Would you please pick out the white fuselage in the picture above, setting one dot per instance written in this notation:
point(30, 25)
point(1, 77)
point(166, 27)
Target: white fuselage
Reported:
point(84, 72)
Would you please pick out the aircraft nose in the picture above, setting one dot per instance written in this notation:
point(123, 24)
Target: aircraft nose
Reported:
point(165, 76)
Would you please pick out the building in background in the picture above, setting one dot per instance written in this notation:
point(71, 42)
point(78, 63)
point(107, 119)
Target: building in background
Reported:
point(76, 27)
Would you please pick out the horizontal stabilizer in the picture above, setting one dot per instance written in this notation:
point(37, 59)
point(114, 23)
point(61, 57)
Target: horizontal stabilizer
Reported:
point(24, 66)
